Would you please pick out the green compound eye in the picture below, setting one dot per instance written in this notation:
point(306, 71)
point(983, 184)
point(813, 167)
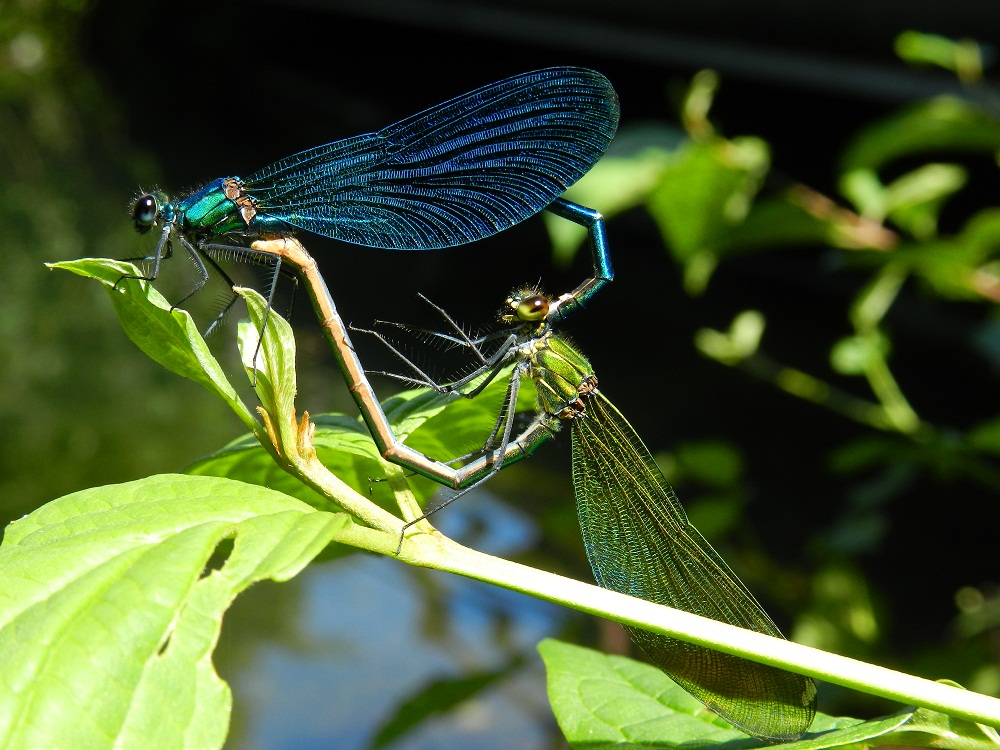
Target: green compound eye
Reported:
point(532, 308)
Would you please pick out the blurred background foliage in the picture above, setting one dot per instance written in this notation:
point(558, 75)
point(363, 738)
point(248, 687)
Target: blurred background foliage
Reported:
point(803, 327)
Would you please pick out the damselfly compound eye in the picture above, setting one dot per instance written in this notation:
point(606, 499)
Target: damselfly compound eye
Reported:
point(532, 308)
point(144, 213)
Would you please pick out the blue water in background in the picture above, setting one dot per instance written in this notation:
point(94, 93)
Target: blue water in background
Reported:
point(371, 632)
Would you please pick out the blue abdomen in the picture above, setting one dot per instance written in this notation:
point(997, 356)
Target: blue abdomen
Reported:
point(263, 225)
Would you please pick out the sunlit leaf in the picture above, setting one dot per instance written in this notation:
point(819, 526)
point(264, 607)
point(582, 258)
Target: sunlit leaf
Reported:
point(167, 336)
point(112, 605)
point(961, 56)
point(342, 443)
point(853, 355)
point(605, 701)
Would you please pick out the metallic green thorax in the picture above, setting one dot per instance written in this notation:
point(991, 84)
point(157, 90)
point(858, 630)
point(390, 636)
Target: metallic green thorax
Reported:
point(561, 375)
point(220, 207)
point(211, 210)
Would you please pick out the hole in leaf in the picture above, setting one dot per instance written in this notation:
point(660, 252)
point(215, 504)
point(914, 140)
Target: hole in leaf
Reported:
point(219, 556)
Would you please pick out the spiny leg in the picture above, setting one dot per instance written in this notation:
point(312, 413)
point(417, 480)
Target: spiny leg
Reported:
point(243, 254)
point(164, 250)
point(490, 367)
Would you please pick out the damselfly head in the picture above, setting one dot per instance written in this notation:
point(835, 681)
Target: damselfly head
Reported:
point(526, 306)
point(146, 211)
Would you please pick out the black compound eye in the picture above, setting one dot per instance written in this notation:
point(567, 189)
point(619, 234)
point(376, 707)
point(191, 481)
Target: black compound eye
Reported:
point(534, 307)
point(144, 213)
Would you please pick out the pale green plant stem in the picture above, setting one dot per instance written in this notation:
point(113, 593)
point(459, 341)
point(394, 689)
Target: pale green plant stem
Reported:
point(440, 553)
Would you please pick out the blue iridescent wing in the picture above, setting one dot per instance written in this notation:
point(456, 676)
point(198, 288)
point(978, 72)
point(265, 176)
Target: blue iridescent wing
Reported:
point(455, 173)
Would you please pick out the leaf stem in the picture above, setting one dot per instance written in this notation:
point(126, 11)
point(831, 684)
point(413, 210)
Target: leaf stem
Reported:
point(440, 553)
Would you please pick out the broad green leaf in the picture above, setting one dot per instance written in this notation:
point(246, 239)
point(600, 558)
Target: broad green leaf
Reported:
point(112, 605)
point(908, 728)
point(928, 728)
point(605, 701)
point(462, 424)
point(610, 701)
point(847, 733)
point(706, 186)
point(409, 410)
point(167, 336)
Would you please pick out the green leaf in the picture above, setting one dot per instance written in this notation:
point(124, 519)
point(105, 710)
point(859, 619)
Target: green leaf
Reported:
point(941, 124)
point(985, 436)
point(461, 424)
point(934, 729)
point(913, 201)
point(269, 359)
point(436, 697)
point(612, 702)
point(949, 265)
point(962, 57)
point(167, 336)
point(714, 463)
point(448, 426)
point(864, 189)
point(707, 188)
point(774, 221)
point(740, 342)
point(854, 355)
point(409, 410)
point(111, 607)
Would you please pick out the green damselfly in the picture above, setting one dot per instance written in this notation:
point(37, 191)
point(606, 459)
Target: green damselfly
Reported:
point(637, 535)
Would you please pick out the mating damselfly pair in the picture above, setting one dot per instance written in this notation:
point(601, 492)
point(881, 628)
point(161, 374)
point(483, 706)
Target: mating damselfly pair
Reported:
point(454, 174)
